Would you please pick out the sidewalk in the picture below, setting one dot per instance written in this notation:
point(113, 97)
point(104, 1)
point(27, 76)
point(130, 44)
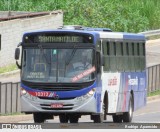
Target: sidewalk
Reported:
point(13, 76)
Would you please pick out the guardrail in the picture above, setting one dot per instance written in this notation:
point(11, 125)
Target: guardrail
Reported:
point(153, 74)
point(151, 33)
point(9, 98)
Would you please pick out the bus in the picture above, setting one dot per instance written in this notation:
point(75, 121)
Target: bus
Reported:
point(74, 71)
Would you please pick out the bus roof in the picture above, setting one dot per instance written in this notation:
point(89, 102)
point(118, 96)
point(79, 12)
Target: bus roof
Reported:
point(61, 30)
point(98, 34)
point(121, 35)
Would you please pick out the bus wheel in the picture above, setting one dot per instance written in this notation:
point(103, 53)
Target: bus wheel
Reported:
point(73, 118)
point(38, 117)
point(97, 118)
point(117, 118)
point(63, 118)
point(127, 116)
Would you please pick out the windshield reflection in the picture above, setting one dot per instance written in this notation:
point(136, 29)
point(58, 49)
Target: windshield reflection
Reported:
point(58, 65)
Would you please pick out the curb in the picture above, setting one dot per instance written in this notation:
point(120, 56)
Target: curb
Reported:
point(153, 98)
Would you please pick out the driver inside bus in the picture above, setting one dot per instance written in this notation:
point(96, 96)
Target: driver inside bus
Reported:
point(83, 64)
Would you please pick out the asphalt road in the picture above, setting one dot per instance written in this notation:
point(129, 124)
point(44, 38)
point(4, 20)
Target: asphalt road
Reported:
point(153, 52)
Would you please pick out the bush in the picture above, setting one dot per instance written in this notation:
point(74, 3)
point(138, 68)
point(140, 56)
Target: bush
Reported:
point(119, 15)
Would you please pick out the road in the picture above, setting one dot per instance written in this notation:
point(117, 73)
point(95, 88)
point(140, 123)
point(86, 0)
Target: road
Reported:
point(148, 114)
point(153, 52)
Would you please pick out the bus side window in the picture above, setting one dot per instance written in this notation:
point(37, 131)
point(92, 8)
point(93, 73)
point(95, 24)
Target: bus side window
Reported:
point(112, 49)
point(119, 56)
point(137, 59)
point(125, 56)
point(142, 55)
point(106, 54)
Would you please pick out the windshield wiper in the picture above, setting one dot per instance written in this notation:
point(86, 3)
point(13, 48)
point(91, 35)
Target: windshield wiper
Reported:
point(44, 55)
point(67, 62)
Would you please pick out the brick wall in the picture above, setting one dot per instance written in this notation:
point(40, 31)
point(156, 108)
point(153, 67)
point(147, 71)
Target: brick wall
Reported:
point(11, 33)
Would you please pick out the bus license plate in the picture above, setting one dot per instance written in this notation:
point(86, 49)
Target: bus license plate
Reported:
point(56, 105)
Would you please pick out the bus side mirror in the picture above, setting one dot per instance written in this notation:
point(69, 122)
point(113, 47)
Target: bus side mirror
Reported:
point(17, 53)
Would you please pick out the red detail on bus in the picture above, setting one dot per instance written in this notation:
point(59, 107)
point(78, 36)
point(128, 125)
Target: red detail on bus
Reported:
point(43, 94)
point(112, 82)
point(56, 105)
point(83, 74)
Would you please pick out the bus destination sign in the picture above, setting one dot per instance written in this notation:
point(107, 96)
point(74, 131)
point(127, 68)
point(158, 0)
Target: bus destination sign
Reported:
point(62, 39)
point(58, 38)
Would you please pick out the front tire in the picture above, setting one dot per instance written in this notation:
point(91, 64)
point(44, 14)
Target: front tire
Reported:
point(97, 118)
point(117, 118)
point(74, 119)
point(41, 117)
point(63, 118)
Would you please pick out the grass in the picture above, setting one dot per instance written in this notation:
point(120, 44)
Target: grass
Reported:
point(154, 93)
point(119, 15)
point(8, 68)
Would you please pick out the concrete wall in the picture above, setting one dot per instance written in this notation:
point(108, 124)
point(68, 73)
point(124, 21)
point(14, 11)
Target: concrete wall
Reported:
point(11, 32)
point(4, 14)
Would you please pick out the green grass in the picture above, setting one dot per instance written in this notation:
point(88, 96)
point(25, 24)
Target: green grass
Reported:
point(8, 68)
point(154, 93)
point(118, 15)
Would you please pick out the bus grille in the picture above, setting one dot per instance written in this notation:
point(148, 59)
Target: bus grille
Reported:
point(57, 108)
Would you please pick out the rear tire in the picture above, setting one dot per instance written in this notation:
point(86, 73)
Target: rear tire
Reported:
point(127, 116)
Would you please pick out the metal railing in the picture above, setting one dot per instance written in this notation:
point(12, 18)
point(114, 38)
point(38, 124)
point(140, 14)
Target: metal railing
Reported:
point(153, 74)
point(151, 33)
point(9, 97)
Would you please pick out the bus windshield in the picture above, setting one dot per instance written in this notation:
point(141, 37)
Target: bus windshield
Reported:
point(58, 65)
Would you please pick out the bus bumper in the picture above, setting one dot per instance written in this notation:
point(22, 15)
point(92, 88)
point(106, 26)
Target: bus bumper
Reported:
point(83, 104)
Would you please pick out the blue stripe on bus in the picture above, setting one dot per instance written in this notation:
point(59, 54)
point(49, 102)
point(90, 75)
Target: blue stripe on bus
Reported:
point(65, 94)
point(137, 83)
point(133, 36)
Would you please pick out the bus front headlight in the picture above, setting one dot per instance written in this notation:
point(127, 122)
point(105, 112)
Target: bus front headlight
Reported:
point(88, 95)
point(23, 92)
point(27, 95)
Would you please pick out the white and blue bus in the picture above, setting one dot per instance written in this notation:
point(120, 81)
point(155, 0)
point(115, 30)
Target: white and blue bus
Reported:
point(82, 71)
